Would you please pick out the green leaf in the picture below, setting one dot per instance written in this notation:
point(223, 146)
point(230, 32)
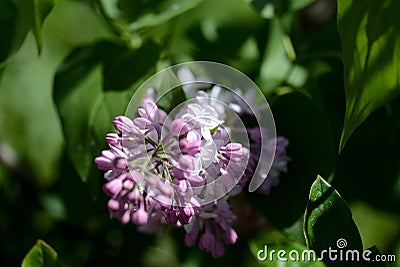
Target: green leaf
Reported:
point(370, 36)
point(272, 8)
point(85, 97)
point(327, 220)
point(126, 17)
point(13, 30)
point(40, 255)
point(167, 10)
point(77, 111)
point(123, 67)
point(34, 13)
point(273, 242)
point(311, 150)
point(278, 65)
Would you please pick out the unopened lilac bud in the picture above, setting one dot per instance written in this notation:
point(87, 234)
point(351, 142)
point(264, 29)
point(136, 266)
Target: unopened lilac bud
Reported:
point(188, 210)
point(189, 147)
point(148, 110)
point(140, 216)
point(142, 123)
point(134, 195)
point(195, 180)
point(234, 150)
point(206, 241)
point(191, 237)
point(233, 147)
point(183, 186)
point(186, 162)
point(185, 216)
point(179, 127)
point(105, 162)
point(123, 124)
point(113, 187)
point(230, 236)
point(113, 205)
point(113, 139)
point(120, 163)
point(217, 249)
point(126, 217)
point(128, 184)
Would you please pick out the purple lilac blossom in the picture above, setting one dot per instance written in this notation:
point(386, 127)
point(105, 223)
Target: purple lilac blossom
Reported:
point(156, 170)
point(163, 171)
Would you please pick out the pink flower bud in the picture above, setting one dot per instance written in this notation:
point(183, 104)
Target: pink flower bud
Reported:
point(123, 124)
point(179, 127)
point(140, 216)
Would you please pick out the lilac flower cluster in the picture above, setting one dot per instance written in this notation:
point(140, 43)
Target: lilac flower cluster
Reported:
point(182, 169)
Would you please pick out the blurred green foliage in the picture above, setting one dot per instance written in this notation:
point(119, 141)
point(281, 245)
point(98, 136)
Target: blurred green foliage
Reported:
point(332, 78)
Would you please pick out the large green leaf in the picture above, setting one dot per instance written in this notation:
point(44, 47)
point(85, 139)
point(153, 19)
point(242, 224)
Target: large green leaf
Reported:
point(17, 17)
point(13, 31)
point(40, 255)
point(271, 8)
point(77, 111)
point(311, 150)
point(85, 95)
point(167, 11)
point(370, 36)
point(126, 17)
point(328, 222)
point(123, 67)
point(34, 12)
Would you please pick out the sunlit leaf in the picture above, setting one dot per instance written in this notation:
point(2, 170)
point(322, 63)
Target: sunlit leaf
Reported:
point(370, 35)
point(328, 223)
point(40, 255)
